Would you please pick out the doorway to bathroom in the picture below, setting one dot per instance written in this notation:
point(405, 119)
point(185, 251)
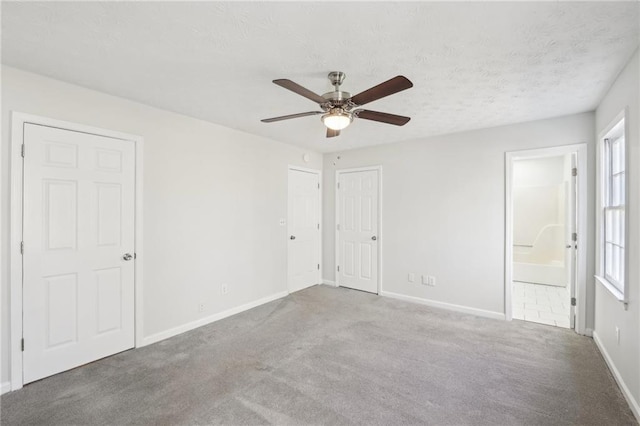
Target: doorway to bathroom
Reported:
point(544, 221)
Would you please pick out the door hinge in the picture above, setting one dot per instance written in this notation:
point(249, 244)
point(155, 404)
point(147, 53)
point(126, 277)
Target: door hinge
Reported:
point(22, 345)
point(338, 227)
point(21, 247)
point(574, 171)
point(135, 255)
point(22, 150)
point(573, 301)
point(318, 226)
point(338, 185)
point(574, 236)
point(318, 266)
point(338, 268)
point(318, 186)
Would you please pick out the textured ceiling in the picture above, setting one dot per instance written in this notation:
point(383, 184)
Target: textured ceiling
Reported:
point(473, 65)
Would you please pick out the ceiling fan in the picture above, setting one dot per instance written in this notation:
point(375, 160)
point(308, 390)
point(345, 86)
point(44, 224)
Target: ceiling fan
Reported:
point(339, 108)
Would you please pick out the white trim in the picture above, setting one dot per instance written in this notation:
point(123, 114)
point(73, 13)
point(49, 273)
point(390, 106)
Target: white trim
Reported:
point(329, 282)
point(320, 231)
point(508, 237)
point(18, 120)
point(581, 226)
point(444, 305)
point(5, 387)
point(588, 332)
point(612, 289)
point(377, 168)
point(304, 169)
point(15, 259)
point(622, 114)
point(139, 252)
point(633, 404)
point(211, 318)
point(599, 202)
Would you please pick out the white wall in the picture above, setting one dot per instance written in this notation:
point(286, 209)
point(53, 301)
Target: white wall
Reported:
point(213, 197)
point(444, 207)
point(545, 171)
point(609, 313)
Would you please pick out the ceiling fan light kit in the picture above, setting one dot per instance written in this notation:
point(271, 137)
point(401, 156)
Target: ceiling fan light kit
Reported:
point(337, 119)
point(339, 108)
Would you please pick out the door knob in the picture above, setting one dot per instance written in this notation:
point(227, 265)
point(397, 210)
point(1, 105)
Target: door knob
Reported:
point(374, 238)
point(127, 256)
point(293, 237)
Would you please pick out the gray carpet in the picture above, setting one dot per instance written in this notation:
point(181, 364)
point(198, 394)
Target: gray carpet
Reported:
point(338, 356)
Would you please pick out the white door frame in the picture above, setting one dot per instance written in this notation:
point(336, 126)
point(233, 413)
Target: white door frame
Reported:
point(319, 173)
point(337, 219)
point(581, 228)
point(18, 121)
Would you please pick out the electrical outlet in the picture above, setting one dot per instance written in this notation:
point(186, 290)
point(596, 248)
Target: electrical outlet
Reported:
point(224, 288)
point(411, 277)
point(431, 281)
point(424, 280)
point(200, 307)
point(617, 335)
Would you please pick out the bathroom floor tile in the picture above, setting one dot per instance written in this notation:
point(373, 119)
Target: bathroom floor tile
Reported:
point(542, 304)
point(552, 316)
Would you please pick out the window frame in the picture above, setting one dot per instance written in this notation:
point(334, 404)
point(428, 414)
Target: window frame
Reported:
point(614, 282)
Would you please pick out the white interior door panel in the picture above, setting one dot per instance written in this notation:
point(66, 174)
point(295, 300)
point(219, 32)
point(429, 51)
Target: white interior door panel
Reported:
point(78, 290)
point(304, 229)
point(358, 230)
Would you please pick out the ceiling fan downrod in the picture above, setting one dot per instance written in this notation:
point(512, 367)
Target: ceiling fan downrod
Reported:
point(336, 78)
point(337, 96)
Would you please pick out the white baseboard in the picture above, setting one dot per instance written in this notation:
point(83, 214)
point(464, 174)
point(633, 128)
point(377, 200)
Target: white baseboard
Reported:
point(208, 320)
point(588, 332)
point(633, 404)
point(443, 305)
point(5, 387)
point(329, 282)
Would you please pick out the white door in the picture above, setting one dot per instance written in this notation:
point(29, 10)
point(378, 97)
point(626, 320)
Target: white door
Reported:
point(78, 289)
point(358, 230)
point(304, 229)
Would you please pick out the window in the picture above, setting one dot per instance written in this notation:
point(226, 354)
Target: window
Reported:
point(613, 181)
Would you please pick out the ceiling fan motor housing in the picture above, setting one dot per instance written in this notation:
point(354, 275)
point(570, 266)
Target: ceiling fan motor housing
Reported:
point(337, 97)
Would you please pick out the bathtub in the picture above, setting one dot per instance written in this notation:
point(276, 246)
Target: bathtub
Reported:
point(543, 262)
point(537, 273)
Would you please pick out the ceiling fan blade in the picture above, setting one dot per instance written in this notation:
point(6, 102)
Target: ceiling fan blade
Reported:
point(332, 133)
point(389, 87)
point(383, 117)
point(296, 88)
point(287, 117)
